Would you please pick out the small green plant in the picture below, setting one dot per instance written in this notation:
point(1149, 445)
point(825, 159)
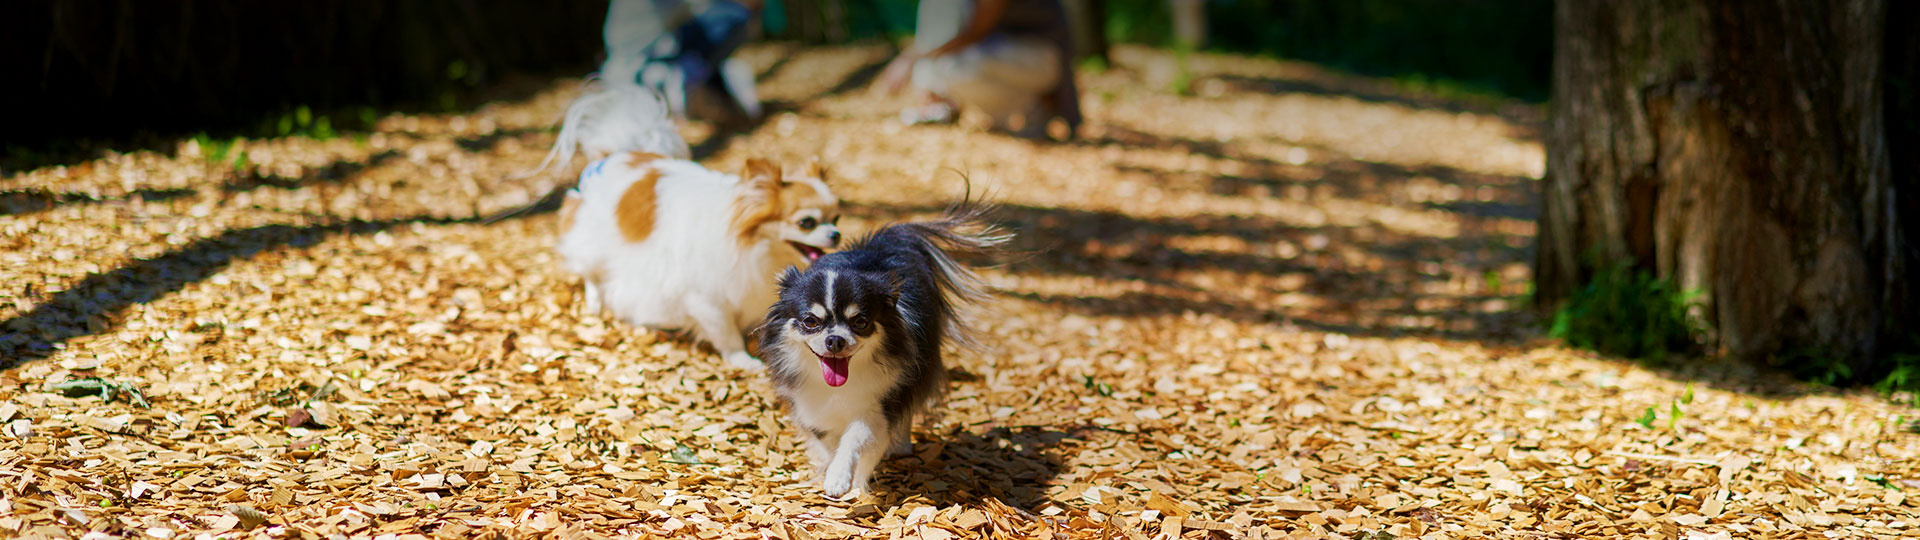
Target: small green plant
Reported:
point(1627, 312)
point(1882, 481)
point(1903, 381)
point(1093, 65)
point(1104, 389)
point(684, 455)
point(1183, 74)
point(215, 150)
point(1674, 412)
point(1814, 365)
point(1646, 420)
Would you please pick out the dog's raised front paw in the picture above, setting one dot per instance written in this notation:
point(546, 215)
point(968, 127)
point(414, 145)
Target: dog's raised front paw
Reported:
point(742, 360)
point(839, 487)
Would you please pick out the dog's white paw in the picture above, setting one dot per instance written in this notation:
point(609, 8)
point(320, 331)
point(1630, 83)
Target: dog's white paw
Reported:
point(839, 487)
point(742, 360)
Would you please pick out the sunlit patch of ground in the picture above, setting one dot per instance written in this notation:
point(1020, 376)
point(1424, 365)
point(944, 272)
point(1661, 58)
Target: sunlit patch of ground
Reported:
point(1291, 303)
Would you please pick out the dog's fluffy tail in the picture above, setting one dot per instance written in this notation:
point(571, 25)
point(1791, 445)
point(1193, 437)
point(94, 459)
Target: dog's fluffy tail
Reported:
point(963, 232)
point(615, 116)
point(610, 116)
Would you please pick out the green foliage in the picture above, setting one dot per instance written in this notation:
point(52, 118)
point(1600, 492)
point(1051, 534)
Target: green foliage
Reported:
point(1903, 381)
point(1882, 481)
point(1627, 312)
point(1104, 389)
point(1093, 65)
point(108, 390)
point(1646, 420)
point(684, 455)
point(1503, 47)
point(1674, 412)
point(215, 150)
point(1183, 70)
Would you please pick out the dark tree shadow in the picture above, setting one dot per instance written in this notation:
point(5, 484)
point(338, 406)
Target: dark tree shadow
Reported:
point(92, 305)
point(856, 80)
point(486, 141)
point(1519, 116)
point(337, 172)
point(31, 201)
point(1120, 247)
point(1014, 465)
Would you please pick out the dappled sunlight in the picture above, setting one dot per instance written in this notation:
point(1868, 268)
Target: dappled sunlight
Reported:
point(1401, 133)
point(1294, 293)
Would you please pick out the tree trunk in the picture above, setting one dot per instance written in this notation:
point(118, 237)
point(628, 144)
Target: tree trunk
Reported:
point(1189, 23)
point(1089, 21)
point(1738, 148)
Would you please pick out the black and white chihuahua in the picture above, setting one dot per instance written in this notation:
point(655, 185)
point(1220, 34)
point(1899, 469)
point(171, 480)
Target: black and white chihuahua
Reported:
point(854, 343)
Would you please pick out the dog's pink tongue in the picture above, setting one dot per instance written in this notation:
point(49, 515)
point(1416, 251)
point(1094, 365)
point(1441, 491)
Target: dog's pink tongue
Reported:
point(834, 369)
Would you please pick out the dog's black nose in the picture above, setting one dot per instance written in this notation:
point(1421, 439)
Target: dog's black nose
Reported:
point(835, 344)
point(833, 237)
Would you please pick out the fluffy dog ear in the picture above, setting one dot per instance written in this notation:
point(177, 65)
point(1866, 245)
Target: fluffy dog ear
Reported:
point(760, 170)
point(759, 199)
point(816, 170)
point(788, 278)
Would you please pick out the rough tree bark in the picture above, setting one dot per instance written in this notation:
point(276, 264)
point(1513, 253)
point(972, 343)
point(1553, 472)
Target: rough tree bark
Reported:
point(1189, 22)
point(1737, 147)
point(1089, 21)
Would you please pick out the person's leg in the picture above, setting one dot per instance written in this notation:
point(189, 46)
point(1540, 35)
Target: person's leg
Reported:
point(719, 88)
point(931, 79)
point(1009, 79)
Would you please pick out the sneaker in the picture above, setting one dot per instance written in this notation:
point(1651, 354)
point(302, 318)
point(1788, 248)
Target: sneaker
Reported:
point(931, 113)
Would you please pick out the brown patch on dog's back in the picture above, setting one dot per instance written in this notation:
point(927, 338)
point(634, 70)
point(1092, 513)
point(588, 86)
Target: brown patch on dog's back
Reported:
point(636, 210)
point(568, 208)
point(641, 159)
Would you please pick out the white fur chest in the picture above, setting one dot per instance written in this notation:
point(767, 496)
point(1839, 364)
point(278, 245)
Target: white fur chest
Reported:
point(819, 406)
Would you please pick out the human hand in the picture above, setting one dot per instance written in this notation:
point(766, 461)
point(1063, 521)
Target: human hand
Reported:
point(898, 72)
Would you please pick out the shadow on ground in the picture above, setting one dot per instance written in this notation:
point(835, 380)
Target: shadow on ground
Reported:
point(94, 304)
point(21, 202)
point(1012, 465)
point(1121, 247)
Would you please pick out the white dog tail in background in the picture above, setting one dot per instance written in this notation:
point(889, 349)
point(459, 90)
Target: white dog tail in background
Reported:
point(615, 115)
point(610, 116)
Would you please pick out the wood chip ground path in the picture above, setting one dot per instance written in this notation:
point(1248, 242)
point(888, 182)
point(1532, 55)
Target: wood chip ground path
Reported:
point(1288, 305)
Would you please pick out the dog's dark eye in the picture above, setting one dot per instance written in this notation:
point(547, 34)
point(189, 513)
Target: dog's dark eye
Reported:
point(809, 322)
point(860, 323)
point(808, 223)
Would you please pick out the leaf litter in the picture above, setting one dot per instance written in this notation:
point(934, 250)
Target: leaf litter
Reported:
point(1250, 313)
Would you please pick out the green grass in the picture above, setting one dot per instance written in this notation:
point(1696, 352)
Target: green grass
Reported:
point(1498, 47)
point(1627, 312)
point(1183, 70)
point(1902, 382)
